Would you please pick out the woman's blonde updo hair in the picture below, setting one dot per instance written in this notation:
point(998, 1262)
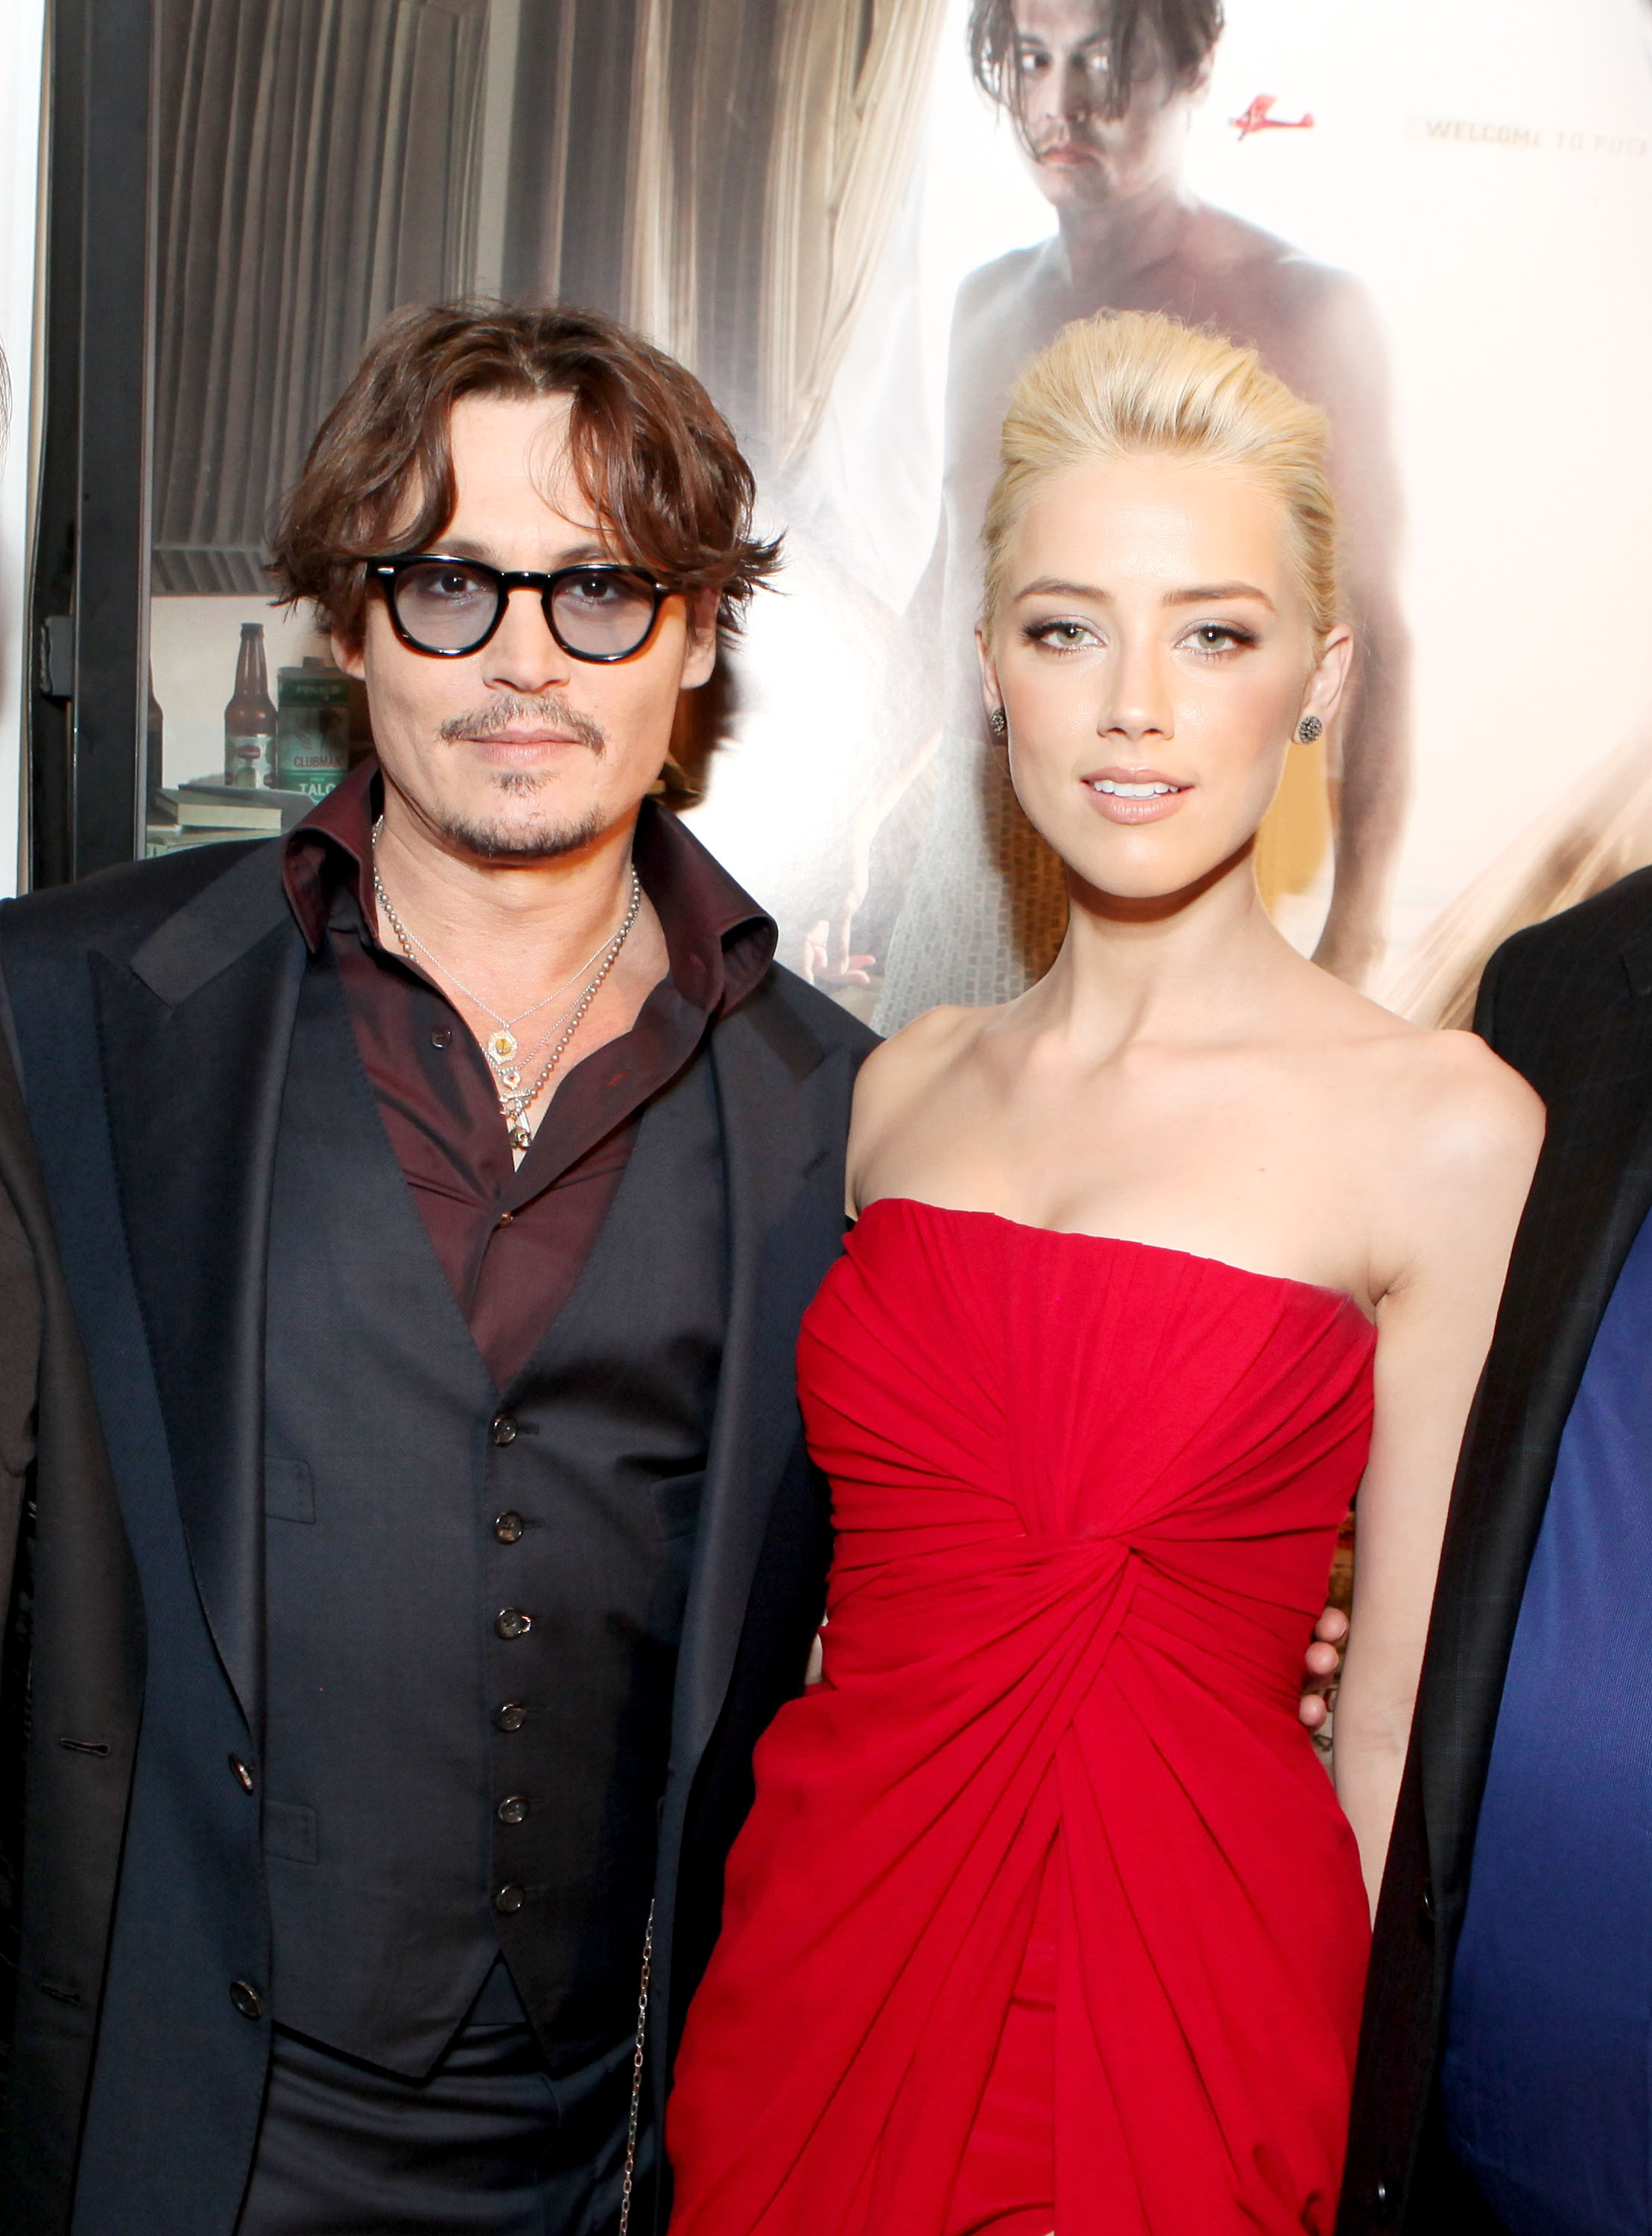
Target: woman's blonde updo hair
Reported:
point(1133, 384)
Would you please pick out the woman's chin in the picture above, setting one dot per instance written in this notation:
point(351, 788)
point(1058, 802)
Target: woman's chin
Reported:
point(1141, 877)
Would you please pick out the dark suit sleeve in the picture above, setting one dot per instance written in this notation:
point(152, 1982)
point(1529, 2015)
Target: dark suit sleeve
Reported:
point(19, 1371)
point(1485, 1000)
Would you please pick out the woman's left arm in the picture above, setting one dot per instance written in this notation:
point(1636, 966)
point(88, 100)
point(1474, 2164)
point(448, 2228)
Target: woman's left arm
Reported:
point(1467, 1138)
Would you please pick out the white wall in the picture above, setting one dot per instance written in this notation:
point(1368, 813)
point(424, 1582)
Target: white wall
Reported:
point(20, 106)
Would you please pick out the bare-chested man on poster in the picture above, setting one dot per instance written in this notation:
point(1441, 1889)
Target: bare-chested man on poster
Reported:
point(1101, 94)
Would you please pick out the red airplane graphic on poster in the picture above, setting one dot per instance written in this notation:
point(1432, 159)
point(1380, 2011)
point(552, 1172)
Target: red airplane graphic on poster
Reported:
point(1259, 118)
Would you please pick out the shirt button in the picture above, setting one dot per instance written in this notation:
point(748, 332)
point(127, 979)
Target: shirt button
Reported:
point(511, 1716)
point(503, 1431)
point(506, 1217)
point(511, 1622)
point(513, 1809)
point(440, 1036)
point(243, 1774)
point(508, 1528)
point(246, 1999)
point(510, 1899)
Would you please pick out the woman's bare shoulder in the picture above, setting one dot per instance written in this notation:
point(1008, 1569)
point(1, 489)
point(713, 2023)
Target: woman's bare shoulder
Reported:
point(1446, 1096)
point(1433, 1131)
point(909, 1061)
point(1426, 1086)
point(904, 1076)
point(1454, 1139)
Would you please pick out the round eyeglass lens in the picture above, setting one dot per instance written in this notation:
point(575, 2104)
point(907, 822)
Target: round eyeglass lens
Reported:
point(446, 606)
point(605, 613)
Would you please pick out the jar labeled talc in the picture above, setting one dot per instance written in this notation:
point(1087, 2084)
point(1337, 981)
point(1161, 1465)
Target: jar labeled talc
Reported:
point(312, 727)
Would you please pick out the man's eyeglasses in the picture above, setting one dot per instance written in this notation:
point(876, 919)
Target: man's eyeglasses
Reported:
point(450, 607)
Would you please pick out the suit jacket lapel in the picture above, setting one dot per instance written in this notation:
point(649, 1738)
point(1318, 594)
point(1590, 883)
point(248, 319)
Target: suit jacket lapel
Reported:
point(1590, 1194)
point(194, 1037)
point(784, 1233)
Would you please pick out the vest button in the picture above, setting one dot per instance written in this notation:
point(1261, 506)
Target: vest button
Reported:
point(508, 1528)
point(511, 1622)
point(503, 1431)
point(510, 1900)
point(511, 1717)
point(513, 1809)
point(243, 1775)
point(440, 1036)
point(246, 1999)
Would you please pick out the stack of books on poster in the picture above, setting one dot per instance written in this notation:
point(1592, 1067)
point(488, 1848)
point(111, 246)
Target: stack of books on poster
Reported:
point(202, 814)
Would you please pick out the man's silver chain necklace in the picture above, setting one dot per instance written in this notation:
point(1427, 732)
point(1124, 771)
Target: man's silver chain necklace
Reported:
point(516, 1097)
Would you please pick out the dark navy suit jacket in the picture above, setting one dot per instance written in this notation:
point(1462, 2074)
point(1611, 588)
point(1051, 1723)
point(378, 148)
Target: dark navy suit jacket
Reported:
point(153, 1008)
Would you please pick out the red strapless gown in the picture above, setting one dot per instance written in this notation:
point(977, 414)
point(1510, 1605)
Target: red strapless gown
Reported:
point(1045, 1916)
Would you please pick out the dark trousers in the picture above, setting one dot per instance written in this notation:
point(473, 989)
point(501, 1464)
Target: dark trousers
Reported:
point(489, 2144)
point(1445, 2199)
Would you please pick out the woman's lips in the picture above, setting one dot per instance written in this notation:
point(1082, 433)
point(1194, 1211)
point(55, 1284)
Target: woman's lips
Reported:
point(1135, 795)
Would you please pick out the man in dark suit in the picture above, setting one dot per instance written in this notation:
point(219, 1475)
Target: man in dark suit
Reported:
point(438, 1191)
point(1505, 2078)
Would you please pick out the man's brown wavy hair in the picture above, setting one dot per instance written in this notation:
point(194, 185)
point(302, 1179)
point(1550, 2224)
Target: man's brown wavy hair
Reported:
point(1144, 35)
point(655, 458)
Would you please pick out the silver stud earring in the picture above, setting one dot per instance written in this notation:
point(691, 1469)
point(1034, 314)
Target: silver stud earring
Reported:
point(998, 722)
point(1308, 729)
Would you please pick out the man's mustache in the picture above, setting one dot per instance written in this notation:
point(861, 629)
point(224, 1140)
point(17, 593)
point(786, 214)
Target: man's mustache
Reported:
point(538, 710)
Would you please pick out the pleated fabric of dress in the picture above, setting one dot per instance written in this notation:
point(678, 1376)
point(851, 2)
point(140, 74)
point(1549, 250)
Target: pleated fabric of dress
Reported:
point(1046, 1914)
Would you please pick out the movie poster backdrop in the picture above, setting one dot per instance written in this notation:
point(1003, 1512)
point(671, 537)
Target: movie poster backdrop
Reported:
point(856, 219)
point(1453, 253)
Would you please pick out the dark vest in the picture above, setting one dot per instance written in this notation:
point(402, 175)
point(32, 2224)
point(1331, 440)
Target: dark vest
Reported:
point(475, 1598)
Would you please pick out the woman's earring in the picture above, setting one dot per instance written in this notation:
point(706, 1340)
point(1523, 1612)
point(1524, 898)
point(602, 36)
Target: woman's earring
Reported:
point(998, 722)
point(1308, 729)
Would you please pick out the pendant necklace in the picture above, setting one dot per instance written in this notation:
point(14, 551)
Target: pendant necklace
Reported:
point(501, 1047)
point(497, 1042)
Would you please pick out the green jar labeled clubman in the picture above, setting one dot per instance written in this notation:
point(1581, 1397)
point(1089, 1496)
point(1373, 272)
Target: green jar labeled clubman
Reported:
point(312, 727)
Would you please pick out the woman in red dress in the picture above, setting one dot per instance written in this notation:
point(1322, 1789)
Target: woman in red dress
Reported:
point(1047, 1916)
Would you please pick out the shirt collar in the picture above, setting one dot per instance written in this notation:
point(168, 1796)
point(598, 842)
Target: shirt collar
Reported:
point(719, 942)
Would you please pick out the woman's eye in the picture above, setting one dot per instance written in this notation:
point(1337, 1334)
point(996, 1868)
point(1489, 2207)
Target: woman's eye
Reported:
point(1217, 636)
point(1061, 636)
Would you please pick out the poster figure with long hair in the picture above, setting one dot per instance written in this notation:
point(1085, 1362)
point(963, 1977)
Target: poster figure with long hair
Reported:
point(1100, 93)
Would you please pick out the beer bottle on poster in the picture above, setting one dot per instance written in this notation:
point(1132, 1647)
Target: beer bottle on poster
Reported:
point(156, 808)
point(249, 719)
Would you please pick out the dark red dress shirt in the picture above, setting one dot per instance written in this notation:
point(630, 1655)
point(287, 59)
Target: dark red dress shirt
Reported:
point(512, 1240)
